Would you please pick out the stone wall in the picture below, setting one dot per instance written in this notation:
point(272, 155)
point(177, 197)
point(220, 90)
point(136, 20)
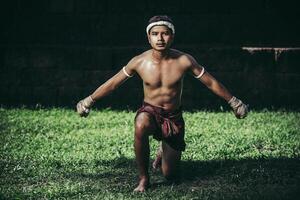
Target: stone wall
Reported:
point(55, 52)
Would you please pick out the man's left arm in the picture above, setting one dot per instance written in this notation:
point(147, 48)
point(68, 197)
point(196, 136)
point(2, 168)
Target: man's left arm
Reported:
point(199, 72)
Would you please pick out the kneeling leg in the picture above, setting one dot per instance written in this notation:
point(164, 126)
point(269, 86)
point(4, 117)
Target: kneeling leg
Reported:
point(170, 162)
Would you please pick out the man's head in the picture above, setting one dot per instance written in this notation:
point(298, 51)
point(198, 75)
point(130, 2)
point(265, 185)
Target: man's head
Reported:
point(162, 20)
point(160, 31)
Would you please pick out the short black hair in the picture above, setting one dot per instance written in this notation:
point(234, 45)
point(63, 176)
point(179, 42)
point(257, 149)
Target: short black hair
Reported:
point(157, 18)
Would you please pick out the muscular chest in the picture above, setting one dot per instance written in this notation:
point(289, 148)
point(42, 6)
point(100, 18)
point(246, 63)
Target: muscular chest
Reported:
point(163, 75)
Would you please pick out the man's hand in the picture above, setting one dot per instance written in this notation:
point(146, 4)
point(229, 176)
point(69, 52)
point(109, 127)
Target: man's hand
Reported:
point(239, 108)
point(83, 106)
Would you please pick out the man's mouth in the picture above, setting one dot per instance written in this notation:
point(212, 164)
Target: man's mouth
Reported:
point(161, 44)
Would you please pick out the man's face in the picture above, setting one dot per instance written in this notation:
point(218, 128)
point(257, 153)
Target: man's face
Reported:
point(160, 38)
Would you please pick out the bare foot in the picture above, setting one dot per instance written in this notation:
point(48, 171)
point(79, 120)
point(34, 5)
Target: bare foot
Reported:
point(143, 185)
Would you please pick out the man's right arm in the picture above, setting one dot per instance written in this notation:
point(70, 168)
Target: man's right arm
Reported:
point(111, 84)
point(239, 108)
point(106, 88)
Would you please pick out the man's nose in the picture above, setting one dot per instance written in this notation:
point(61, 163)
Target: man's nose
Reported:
point(160, 37)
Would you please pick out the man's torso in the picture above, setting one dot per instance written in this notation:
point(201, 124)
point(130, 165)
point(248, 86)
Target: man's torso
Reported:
point(162, 80)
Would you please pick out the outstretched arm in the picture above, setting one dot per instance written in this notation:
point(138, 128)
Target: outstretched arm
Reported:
point(111, 84)
point(215, 86)
point(83, 106)
point(239, 108)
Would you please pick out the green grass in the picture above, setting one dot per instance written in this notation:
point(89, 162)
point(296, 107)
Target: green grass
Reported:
point(54, 154)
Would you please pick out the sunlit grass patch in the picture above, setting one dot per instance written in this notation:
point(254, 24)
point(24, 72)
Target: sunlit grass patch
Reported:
point(53, 153)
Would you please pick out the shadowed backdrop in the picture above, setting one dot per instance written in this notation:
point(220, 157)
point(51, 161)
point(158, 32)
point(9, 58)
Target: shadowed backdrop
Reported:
point(56, 52)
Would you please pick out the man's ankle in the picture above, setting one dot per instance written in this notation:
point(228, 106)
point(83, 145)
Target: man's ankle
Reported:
point(144, 177)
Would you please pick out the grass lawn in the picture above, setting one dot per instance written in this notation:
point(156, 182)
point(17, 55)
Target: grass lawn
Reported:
point(55, 154)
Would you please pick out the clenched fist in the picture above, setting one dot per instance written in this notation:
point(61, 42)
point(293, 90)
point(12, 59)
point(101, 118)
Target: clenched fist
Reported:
point(239, 108)
point(83, 106)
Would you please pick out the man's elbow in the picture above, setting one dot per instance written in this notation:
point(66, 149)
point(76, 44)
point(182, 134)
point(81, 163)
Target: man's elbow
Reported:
point(114, 85)
point(215, 86)
point(108, 87)
point(111, 87)
point(210, 84)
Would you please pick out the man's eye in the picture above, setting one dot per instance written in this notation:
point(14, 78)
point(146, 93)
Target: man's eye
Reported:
point(154, 33)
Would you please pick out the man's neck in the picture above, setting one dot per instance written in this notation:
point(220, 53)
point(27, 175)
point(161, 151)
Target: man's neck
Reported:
point(158, 56)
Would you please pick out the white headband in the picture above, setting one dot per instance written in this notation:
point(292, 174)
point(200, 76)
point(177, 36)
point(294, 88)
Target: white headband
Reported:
point(159, 23)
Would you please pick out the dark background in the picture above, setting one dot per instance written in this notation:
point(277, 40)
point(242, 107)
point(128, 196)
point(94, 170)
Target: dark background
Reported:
point(56, 52)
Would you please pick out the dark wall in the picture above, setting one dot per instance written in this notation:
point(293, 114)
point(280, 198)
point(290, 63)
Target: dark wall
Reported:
point(122, 23)
point(55, 52)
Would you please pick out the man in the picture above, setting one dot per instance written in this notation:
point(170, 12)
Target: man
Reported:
point(162, 70)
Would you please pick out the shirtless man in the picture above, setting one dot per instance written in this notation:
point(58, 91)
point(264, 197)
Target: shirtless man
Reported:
point(162, 70)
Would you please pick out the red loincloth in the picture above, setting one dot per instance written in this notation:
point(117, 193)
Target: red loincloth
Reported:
point(169, 125)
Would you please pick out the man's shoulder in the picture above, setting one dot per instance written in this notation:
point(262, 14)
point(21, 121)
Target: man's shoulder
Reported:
point(181, 56)
point(142, 55)
point(138, 59)
point(145, 54)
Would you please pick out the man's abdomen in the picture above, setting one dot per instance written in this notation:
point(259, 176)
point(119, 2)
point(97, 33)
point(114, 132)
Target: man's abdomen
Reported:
point(167, 98)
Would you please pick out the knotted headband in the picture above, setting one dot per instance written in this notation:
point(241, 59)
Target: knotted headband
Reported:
point(161, 23)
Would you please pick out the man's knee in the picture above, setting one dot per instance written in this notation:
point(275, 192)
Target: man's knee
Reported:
point(143, 124)
point(170, 175)
point(171, 164)
point(167, 174)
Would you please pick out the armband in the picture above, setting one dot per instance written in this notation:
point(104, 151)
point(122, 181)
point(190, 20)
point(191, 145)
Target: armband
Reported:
point(124, 70)
point(201, 73)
